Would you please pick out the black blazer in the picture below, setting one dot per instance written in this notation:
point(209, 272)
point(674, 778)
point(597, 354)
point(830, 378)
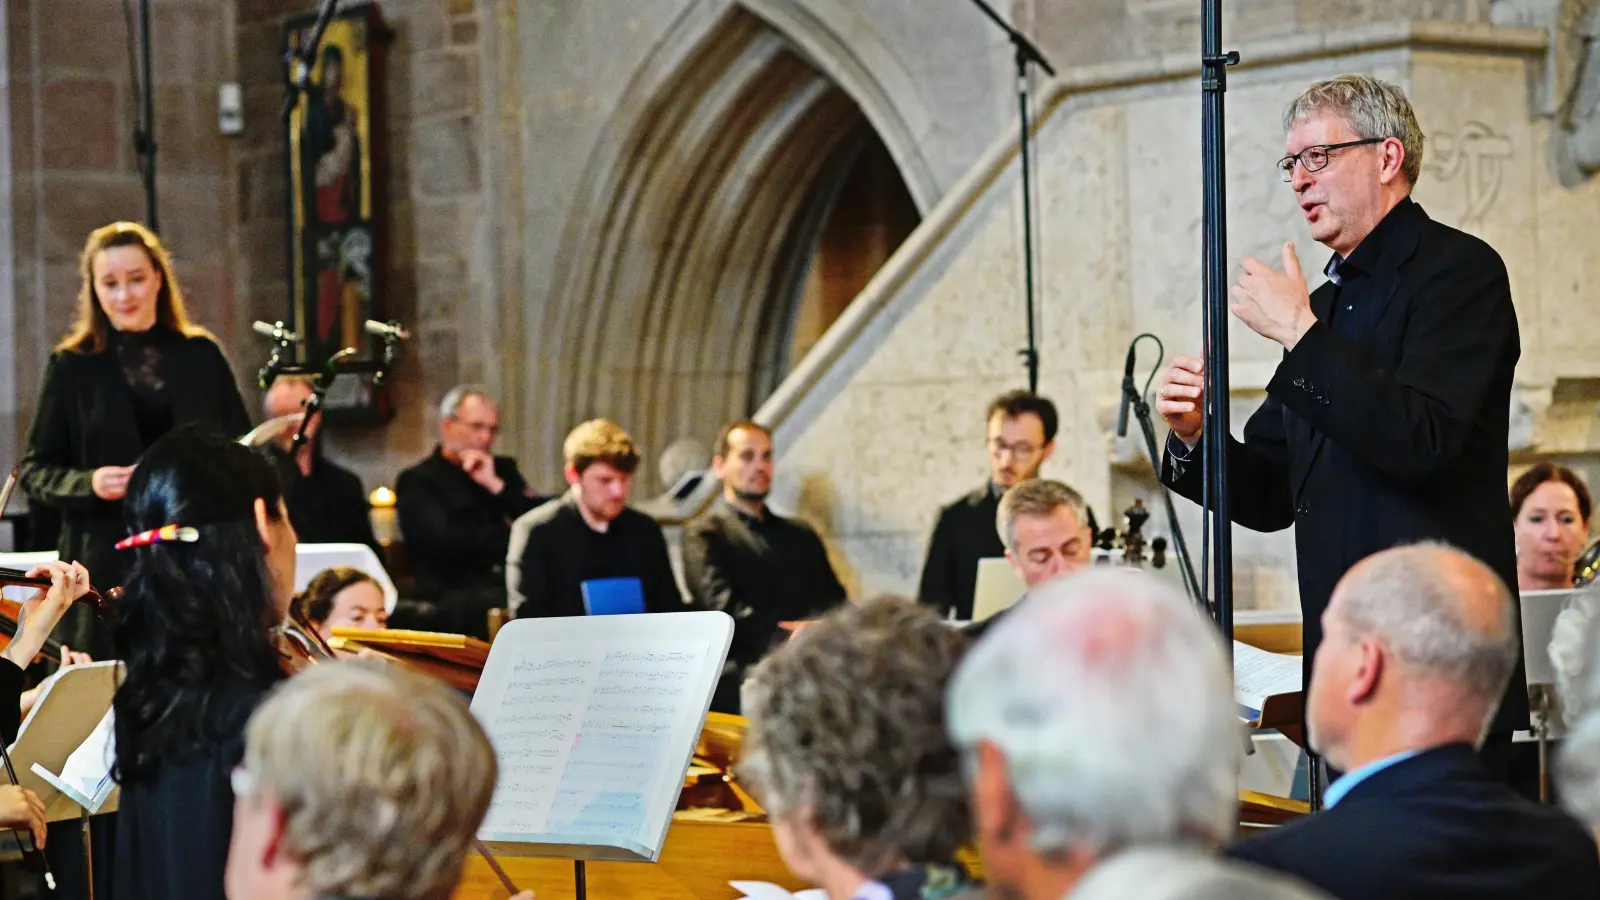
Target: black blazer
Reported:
point(1435, 825)
point(1395, 437)
point(85, 420)
point(456, 531)
point(964, 534)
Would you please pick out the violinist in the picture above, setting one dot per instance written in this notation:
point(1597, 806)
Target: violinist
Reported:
point(19, 807)
point(131, 368)
point(212, 576)
point(342, 597)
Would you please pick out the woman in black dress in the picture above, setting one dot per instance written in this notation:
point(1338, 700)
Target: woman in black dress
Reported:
point(196, 629)
point(132, 368)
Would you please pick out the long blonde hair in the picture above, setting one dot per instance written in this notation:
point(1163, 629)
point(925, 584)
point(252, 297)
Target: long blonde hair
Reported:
point(91, 330)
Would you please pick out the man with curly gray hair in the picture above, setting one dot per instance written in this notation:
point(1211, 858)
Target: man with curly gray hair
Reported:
point(846, 750)
point(1101, 745)
point(359, 780)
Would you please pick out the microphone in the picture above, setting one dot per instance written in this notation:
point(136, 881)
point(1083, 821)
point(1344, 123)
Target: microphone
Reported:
point(275, 331)
point(1128, 390)
point(389, 331)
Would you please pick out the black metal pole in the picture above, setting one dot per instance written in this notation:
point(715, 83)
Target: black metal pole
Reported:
point(144, 138)
point(1026, 53)
point(1213, 84)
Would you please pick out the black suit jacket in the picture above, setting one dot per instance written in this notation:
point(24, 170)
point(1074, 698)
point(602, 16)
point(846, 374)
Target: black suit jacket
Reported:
point(1396, 436)
point(1434, 825)
point(964, 534)
point(328, 506)
point(456, 531)
point(85, 420)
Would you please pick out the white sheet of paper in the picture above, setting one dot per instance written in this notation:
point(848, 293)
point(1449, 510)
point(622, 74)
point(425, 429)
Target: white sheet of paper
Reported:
point(762, 890)
point(1258, 674)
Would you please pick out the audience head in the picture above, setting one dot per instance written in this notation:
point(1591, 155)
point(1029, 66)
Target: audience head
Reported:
point(1550, 511)
point(343, 597)
point(197, 617)
point(1054, 712)
point(1346, 192)
point(1577, 765)
point(601, 460)
point(287, 397)
point(846, 746)
point(742, 459)
point(1022, 435)
point(1418, 644)
point(127, 285)
point(468, 420)
point(401, 779)
point(1044, 526)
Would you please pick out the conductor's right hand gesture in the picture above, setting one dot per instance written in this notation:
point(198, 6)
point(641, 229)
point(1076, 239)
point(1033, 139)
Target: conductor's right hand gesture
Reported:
point(1179, 398)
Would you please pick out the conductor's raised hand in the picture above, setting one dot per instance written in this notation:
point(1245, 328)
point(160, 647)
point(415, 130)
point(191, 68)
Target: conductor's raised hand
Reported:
point(1180, 398)
point(1276, 305)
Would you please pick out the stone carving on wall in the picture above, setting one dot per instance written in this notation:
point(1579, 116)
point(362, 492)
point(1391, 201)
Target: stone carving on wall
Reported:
point(1580, 113)
point(1476, 156)
point(1570, 88)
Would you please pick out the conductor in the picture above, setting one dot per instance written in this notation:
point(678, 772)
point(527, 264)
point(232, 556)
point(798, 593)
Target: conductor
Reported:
point(1386, 420)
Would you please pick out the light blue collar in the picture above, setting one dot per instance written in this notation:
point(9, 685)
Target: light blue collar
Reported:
point(1350, 780)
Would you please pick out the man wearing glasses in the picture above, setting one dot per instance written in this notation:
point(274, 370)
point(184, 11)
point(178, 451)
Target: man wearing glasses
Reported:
point(1022, 433)
point(1386, 422)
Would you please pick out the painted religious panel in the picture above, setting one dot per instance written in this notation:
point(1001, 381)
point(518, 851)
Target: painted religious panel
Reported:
point(337, 186)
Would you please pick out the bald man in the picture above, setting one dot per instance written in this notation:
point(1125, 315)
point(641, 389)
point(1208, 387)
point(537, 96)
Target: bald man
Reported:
point(1418, 645)
point(327, 504)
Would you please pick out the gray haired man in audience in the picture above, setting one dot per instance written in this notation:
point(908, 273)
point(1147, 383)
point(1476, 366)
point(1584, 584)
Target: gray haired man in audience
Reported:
point(1578, 765)
point(1101, 747)
point(358, 780)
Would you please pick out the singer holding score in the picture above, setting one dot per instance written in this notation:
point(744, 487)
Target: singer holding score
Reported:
point(1387, 419)
point(132, 367)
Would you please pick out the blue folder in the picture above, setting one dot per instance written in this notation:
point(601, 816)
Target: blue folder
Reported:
point(613, 596)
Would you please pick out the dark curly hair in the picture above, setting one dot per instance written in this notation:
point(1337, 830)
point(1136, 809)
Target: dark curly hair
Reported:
point(194, 627)
point(316, 601)
point(847, 723)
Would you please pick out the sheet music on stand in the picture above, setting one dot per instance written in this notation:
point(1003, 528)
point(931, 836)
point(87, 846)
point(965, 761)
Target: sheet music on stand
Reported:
point(63, 751)
point(595, 720)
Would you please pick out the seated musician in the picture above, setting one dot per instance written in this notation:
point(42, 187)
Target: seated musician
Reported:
point(343, 597)
point(1101, 743)
point(327, 504)
point(456, 508)
point(213, 572)
point(1043, 525)
point(1418, 645)
point(589, 534)
point(20, 808)
point(1551, 511)
point(1577, 765)
point(846, 750)
point(402, 780)
point(767, 571)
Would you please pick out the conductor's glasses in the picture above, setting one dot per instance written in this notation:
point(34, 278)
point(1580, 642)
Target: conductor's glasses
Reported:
point(1315, 159)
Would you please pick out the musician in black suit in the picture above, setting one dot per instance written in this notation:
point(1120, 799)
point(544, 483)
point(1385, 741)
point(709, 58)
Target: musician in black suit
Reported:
point(1386, 421)
point(1021, 435)
point(1418, 646)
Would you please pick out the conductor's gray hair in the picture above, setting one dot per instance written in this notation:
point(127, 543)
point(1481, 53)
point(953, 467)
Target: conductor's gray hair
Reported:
point(1408, 597)
point(1072, 686)
point(458, 395)
point(1578, 763)
point(1035, 497)
point(1373, 108)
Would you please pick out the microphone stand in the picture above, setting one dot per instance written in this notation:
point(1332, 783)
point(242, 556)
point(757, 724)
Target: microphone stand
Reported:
point(1026, 54)
point(297, 78)
point(1214, 309)
point(1133, 398)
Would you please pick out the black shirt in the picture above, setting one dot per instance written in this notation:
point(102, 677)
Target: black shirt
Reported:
point(328, 506)
point(965, 533)
point(456, 531)
point(761, 571)
point(554, 551)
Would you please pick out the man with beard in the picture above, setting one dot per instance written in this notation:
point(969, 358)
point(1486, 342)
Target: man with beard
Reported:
point(1022, 434)
point(589, 534)
point(766, 571)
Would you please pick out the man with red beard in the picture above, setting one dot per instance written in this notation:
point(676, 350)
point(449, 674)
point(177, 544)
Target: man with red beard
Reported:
point(766, 571)
point(589, 534)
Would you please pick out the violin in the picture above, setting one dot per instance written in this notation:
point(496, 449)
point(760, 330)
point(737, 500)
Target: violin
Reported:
point(11, 610)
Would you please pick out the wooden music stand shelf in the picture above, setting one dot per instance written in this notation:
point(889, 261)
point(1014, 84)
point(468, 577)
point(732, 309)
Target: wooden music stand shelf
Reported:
point(455, 659)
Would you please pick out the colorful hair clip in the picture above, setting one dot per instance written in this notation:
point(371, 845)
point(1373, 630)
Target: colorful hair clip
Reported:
point(164, 535)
